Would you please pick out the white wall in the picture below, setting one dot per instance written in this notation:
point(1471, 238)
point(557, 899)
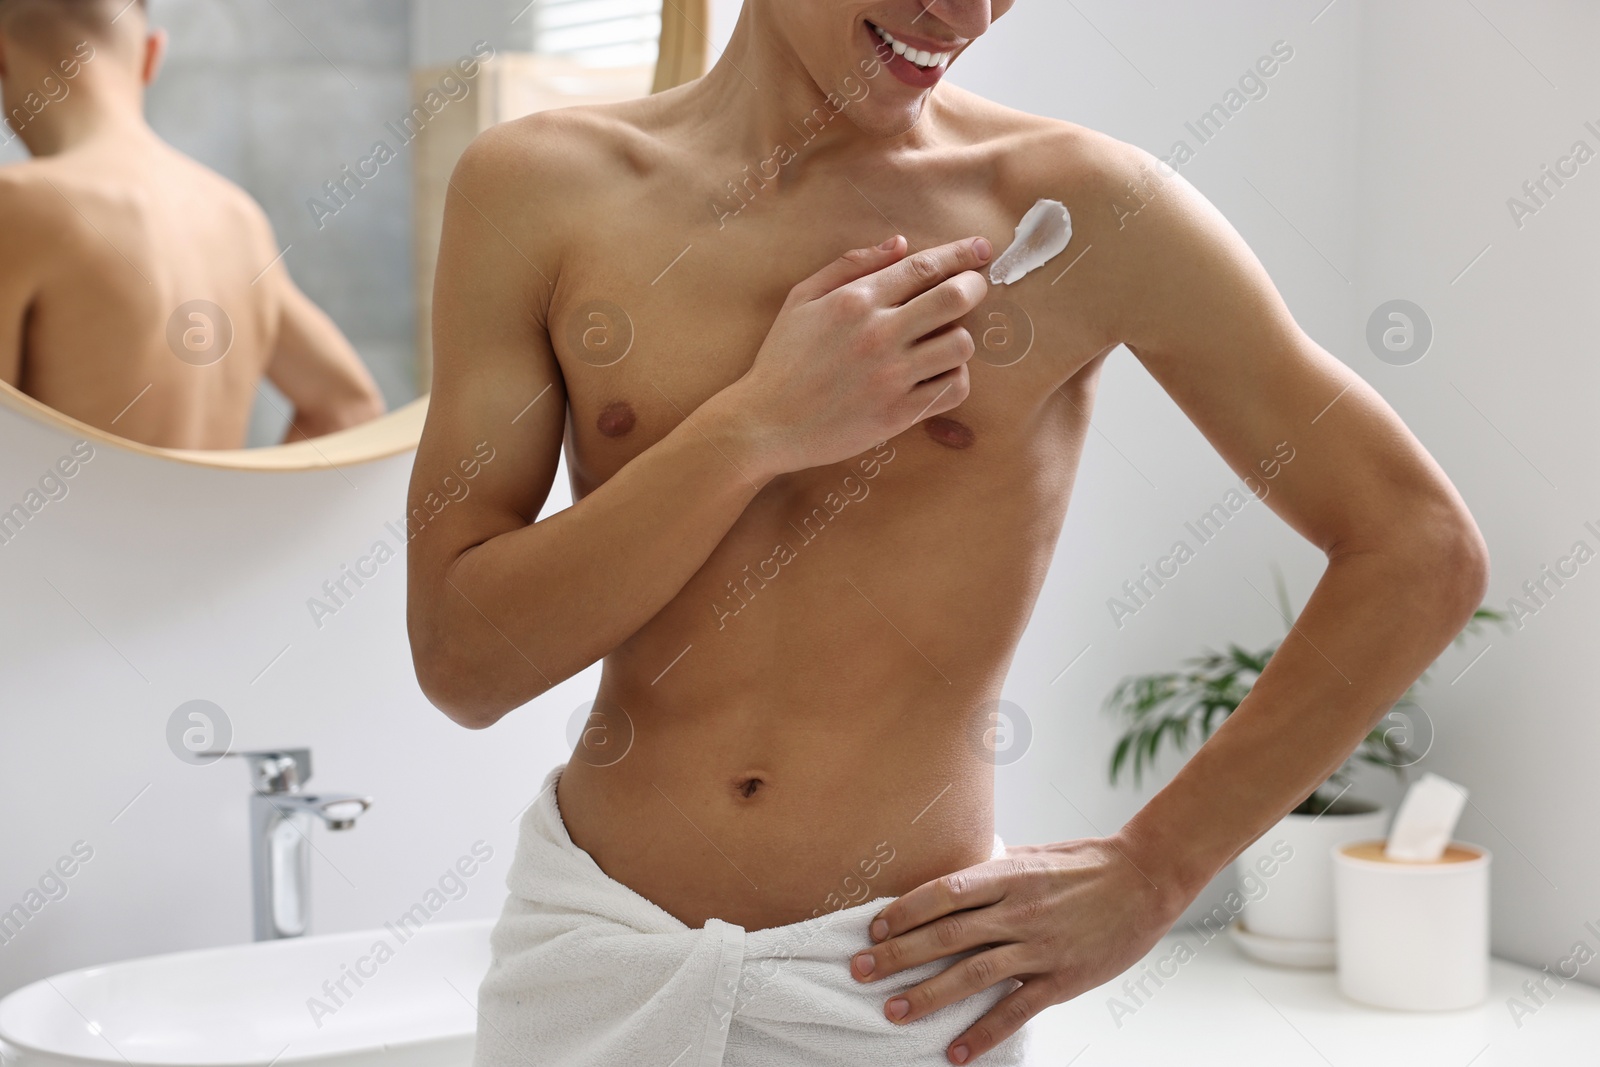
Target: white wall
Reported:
point(174, 583)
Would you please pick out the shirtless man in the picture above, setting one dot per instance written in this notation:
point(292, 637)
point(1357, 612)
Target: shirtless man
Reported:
point(129, 288)
point(718, 370)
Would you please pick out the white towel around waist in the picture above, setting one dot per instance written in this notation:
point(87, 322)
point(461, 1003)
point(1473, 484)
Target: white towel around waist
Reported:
point(588, 973)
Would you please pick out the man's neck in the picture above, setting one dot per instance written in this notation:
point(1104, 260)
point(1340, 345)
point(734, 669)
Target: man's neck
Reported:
point(93, 109)
point(760, 88)
point(73, 124)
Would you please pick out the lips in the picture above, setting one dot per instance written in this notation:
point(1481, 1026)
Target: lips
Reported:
point(914, 61)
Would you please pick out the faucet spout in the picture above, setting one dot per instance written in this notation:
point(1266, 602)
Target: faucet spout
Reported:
point(338, 811)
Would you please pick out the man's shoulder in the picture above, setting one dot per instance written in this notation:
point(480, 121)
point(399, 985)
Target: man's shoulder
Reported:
point(37, 218)
point(539, 177)
point(1131, 210)
point(233, 205)
point(561, 150)
point(29, 198)
point(1037, 152)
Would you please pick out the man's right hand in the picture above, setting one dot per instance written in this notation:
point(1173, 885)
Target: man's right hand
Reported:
point(861, 351)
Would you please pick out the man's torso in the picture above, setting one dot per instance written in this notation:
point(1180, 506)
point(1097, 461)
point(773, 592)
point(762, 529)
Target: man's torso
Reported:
point(844, 645)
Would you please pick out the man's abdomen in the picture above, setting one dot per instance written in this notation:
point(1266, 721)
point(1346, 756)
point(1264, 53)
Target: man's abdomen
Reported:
point(726, 814)
point(804, 727)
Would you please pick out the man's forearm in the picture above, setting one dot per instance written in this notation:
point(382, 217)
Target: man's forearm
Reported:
point(1375, 621)
point(531, 607)
point(331, 418)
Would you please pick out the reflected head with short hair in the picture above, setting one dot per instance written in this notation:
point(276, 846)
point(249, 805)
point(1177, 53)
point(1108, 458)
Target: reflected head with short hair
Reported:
point(67, 66)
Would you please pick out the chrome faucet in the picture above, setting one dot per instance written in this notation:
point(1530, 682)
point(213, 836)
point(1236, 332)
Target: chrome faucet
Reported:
point(280, 837)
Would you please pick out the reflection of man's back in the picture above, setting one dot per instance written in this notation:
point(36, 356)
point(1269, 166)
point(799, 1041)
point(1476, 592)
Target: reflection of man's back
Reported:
point(140, 292)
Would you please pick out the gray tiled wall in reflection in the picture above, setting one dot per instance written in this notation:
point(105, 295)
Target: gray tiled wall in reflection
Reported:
point(277, 95)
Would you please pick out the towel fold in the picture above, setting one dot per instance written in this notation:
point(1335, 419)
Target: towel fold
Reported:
point(586, 972)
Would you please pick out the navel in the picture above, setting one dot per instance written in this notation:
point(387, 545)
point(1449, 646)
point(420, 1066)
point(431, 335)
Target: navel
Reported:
point(616, 419)
point(949, 432)
point(747, 787)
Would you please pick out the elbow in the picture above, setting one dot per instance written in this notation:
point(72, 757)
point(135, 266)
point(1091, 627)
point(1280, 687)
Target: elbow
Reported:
point(1438, 554)
point(1452, 559)
point(364, 408)
point(459, 703)
point(455, 687)
point(464, 665)
point(341, 414)
point(1469, 554)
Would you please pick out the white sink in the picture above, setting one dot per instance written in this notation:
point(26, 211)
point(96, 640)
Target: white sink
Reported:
point(253, 1005)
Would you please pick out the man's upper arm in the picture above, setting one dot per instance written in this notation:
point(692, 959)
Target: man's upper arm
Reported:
point(311, 361)
point(497, 388)
point(1206, 321)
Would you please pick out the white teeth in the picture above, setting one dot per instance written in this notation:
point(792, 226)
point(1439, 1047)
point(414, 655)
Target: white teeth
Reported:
point(920, 58)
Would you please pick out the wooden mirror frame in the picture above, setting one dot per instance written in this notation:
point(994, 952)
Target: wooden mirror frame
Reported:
point(681, 57)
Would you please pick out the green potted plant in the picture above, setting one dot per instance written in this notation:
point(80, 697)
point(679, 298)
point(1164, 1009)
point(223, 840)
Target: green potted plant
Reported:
point(1285, 906)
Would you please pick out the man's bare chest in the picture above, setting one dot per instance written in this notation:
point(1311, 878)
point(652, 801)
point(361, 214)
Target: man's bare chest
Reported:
point(652, 319)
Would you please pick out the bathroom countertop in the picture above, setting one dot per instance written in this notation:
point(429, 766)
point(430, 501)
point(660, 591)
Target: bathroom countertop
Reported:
point(1219, 1008)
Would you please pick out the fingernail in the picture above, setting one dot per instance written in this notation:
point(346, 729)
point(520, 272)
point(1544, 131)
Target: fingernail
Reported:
point(959, 1054)
point(898, 1008)
point(889, 244)
point(864, 964)
point(880, 929)
point(982, 247)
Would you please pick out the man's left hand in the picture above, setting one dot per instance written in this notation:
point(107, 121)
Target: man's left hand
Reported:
point(1060, 918)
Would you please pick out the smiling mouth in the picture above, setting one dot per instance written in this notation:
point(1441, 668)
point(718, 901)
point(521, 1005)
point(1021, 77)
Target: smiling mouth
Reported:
point(919, 58)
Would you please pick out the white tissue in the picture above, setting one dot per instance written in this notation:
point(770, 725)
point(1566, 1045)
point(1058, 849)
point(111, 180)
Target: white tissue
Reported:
point(1426, 820)
point(1043, 234)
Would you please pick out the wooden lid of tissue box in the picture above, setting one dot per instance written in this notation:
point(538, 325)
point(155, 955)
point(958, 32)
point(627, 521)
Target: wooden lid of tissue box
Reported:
point(1372, 852)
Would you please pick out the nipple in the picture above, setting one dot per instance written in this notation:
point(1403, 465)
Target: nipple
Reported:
point(1043, 234)
point(616, 419)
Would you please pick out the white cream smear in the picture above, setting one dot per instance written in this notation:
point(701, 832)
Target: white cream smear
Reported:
point(1043, 234)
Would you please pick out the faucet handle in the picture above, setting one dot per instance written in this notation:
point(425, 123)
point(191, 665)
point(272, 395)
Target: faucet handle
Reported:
point(277, 770)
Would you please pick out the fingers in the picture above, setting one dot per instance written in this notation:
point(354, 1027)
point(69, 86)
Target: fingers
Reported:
point(938, 394)
point(854, 265)
point(973, 887)
point(945, 936)
point(945, 303)
point(944, 351)
point(956, 983)
point(1003, 1020)
point(917, 273)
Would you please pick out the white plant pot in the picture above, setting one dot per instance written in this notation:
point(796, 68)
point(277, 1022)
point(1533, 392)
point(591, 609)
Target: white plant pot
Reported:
point(1286, 877)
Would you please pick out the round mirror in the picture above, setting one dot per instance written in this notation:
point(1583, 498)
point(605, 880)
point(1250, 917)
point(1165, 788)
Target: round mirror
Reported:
point(222, 220)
